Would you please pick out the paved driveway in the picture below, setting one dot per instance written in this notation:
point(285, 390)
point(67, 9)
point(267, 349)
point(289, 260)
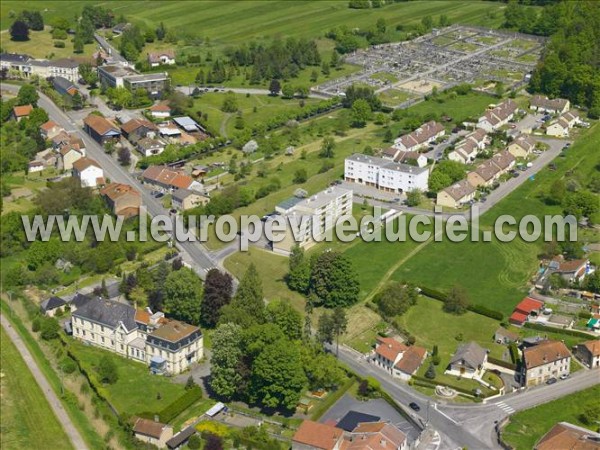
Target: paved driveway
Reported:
point(376, 407)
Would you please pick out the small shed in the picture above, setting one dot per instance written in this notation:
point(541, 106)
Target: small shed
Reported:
point(52, 305)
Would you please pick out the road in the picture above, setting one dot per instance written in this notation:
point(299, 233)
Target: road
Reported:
point(114, 54)
point(200, 256)
point(467, 425)
point(53, 400)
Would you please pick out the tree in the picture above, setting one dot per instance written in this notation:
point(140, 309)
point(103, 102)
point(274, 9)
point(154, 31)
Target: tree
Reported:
point(19, 31)
point(298, 278)
point(274, 87)
point(590, 414)
point(229, 103)
point(33, 19)
point(327, 147)
point(430, 374)
point(314, 76)
point(247, 307)
point(161, 32)
point(183, 293)
point(77, 101)
point(581, 204)
point(333, 280)
point(212, 442)
point(325, 68)
point(356, 92)
point(278, 378)
point(225, 357)
point(380, 25)
point(124, 156)
point(218, 288)
point(331, 326)
point(361, 113)
point(49, 328)
point(413, 197)
point(557, 193)
point(499, 89)
point(395, 299)
point(427, 22)
point(592, 282)
point(107, 370)
point(444, 174)
point(321, 368)
point(27, 95)
point(443, 21)
point(457, 300)
point(194, 442)
point(288, 91)
point(300, 176)
point(288, 319)
point(78, 44)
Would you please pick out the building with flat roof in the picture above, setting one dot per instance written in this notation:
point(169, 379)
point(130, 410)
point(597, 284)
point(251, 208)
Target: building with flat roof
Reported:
point(308, 220)
point(384, 174)
point(119, 75)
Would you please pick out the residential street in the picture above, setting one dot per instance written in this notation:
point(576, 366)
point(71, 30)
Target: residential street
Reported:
point(53, 400)
point(468, 425)
point(200, 257)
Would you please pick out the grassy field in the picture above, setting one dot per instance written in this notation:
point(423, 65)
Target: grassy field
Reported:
point(527, 427)
point(393, 97)
point(41, 45)
point(254, 109)
point(27, 419)
point(136, 390)
point(236, 22)
point(23, 189)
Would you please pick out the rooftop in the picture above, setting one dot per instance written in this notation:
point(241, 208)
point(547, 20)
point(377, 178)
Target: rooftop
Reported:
point(567, 436)
point(386, 163)
point(22, 111)
point(107, 312)
point(149, 427)
point(459, 190)
point(174, 331)
point(317, 435)
point(544, 353)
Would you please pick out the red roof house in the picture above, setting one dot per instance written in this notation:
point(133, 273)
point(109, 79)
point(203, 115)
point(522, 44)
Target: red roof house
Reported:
point(522, 311)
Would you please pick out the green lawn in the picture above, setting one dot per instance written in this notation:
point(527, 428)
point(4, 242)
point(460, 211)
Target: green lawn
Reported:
point(26, 417)
point(527, 427)
point(393, 97)
point(266, 107)
point(136, 390)
point(384, 76)
point(41, 45)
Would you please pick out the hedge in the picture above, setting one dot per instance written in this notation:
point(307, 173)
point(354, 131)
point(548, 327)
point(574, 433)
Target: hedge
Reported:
point(485, 311)
point(514, 353)
point(171, 411)
point(477, 309)
point(501, 363)
point(537, 326)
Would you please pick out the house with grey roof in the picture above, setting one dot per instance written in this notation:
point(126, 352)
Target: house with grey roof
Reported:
point(184, 199)
point(468, 361)
point(52, 305)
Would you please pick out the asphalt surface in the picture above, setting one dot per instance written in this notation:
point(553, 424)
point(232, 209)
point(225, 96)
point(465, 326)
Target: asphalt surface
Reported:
point(42, 382)
point(468, 425)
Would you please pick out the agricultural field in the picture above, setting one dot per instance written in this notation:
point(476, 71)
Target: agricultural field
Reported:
point(27, 419)
point(527, 427)
point(234, 22)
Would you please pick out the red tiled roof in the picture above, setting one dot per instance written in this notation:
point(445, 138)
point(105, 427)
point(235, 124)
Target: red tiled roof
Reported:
point(161, 107)
point(83, 163)
point(99, 124)
point(593, 347)
point(116, 190)
point(389, 348)
point(22, 111)
point(544, 353)
point(411, 359)
point(48, 125)
point(529, 304)
point(518, 317)
point(317, 435)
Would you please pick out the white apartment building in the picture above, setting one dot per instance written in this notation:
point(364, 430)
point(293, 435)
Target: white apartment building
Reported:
point(167, 346)
point(308, 220)
point(385, 174)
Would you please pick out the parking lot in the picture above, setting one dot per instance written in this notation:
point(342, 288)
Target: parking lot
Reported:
point(376, 407)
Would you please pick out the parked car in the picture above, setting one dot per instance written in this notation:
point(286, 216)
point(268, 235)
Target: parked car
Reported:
point(159, 195)
point(414, 406)
point(564, 376)
point(551, 381)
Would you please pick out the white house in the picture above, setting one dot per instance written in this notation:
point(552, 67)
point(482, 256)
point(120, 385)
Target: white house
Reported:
point(561, 126)
point(497, 116)
point(543, 104)
point(421, 137)
point(548, 359)
point(468, 361)
point(160, 111)
point(384, 174)
point(399, 360)
point(161, 58)
point(88, 171)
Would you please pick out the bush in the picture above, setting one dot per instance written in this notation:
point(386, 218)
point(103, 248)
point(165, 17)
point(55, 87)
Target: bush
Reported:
point(171, 411)
point(501, 363)
point(68, 366)
point(194, 442)
point(49, 328)
point(36, 324)
point(326, 166)
point(432, 293)
point(107, 370)
point(514, 353)
point(59, 44)
point(537, 326)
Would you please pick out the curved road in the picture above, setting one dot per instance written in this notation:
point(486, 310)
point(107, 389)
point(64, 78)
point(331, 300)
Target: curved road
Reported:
point(53, 400)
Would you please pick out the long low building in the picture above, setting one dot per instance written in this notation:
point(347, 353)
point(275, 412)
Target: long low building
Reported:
point(384, 174)
point(118, 75)
point(24, 66)
point(167, 346)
